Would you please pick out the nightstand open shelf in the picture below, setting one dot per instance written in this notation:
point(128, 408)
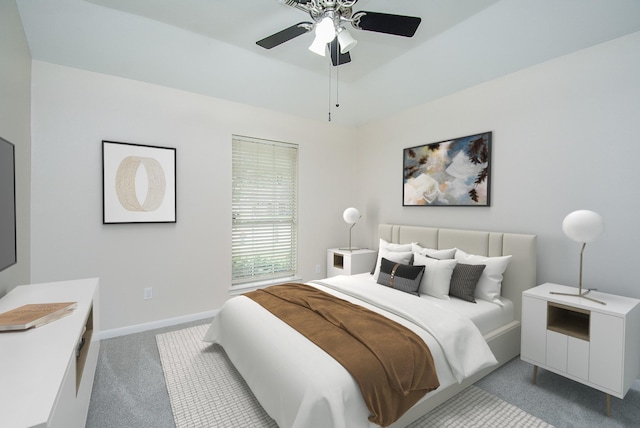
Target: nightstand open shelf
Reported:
point(568, 320)
point(338, 260)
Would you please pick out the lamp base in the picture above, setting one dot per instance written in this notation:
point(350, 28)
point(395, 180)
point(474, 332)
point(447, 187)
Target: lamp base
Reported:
point(581, 294)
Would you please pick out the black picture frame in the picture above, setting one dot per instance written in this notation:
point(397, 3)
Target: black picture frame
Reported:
point(138, 183)
point(451, 173)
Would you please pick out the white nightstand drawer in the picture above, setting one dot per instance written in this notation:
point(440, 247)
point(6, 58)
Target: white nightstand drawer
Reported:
point(578, 357)
point(534, 318)
point(606, 357)
point(557, 348)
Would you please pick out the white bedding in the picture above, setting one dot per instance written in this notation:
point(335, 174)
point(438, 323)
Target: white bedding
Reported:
point(487, 316)
point(299, 385)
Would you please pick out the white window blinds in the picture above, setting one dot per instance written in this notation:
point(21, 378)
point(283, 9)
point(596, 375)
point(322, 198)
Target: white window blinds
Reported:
point(264, 210)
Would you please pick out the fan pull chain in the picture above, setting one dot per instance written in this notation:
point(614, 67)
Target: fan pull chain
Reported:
point(338, 86)
point(329, 91)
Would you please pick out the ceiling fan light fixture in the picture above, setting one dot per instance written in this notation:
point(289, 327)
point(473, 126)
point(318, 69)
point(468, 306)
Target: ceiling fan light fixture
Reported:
point(346, 40)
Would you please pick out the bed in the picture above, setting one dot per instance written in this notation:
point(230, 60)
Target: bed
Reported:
point(300, 385)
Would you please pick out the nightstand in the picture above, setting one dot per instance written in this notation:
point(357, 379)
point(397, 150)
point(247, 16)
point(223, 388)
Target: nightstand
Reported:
point(596, 345)
point(345, 262)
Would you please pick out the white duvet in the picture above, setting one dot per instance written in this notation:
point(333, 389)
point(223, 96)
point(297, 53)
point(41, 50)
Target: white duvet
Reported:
point(299, 385)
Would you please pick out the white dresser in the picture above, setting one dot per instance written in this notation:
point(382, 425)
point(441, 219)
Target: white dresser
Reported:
point(46, 377)
point(594, 344)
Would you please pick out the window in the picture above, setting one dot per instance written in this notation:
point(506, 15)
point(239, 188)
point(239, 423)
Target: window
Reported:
point(264, 210)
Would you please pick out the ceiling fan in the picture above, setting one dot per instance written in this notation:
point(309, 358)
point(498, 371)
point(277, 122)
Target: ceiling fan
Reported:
point(329, 18)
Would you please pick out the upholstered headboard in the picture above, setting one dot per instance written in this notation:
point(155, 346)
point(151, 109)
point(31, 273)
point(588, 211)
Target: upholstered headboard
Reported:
point(521, 272)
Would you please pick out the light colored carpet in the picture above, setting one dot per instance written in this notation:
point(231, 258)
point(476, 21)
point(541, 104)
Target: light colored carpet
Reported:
point(205, 390)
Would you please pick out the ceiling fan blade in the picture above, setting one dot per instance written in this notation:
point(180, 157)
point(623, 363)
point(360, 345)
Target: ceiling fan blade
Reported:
point(398, 25)
point(338, 58)
point(285, 35)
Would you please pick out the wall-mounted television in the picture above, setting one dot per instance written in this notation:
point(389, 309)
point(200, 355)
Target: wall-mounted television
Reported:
point(8, 247)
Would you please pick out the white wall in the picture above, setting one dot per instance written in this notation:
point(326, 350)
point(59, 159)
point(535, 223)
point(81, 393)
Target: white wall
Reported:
point(565, 137)
point(188, 263)
point(15, 126)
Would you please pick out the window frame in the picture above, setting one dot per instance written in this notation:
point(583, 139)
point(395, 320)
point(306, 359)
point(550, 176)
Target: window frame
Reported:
point(264, 230)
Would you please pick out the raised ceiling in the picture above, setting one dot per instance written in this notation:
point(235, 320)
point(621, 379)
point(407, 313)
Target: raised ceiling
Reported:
point(208, 47)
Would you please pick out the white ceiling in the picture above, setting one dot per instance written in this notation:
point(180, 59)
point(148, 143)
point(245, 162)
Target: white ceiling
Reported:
point(242, 23)
point(208, 47)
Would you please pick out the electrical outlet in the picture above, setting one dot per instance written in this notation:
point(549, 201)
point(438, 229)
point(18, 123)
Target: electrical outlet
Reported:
point(148, 293)
point(317, 268)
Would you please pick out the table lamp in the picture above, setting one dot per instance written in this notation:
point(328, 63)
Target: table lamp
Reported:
point(582, 226)
point(351, 216)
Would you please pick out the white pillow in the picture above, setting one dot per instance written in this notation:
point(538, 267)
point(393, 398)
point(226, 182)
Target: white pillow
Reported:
point(490, 282)
point(448, 253)
point(437, 275)
point(394, 256)
point(387, 246)
point(398, 248)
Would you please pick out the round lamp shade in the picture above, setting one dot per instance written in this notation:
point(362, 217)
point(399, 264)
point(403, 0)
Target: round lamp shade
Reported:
point(583, 226)
point(351, 215)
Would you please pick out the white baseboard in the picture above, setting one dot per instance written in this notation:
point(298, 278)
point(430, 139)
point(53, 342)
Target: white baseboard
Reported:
point(138, 328)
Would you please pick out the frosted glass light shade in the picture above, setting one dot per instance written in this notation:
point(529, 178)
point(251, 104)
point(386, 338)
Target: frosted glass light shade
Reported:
point(325, 30)
point(583, 226)
point(346, 40)
point(351, 215)
point(318, 47)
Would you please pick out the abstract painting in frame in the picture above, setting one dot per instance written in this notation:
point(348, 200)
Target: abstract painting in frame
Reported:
point(138, 183)
point(449, 173)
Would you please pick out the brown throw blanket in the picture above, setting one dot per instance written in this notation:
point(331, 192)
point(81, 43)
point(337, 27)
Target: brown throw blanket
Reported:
point(391, 364)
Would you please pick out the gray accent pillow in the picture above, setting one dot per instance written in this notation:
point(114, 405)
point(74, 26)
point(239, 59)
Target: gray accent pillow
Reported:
point(464, 280)
point(400, 276)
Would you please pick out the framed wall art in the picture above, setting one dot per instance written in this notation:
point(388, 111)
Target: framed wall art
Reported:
point(138, 183)
point(449, 173)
